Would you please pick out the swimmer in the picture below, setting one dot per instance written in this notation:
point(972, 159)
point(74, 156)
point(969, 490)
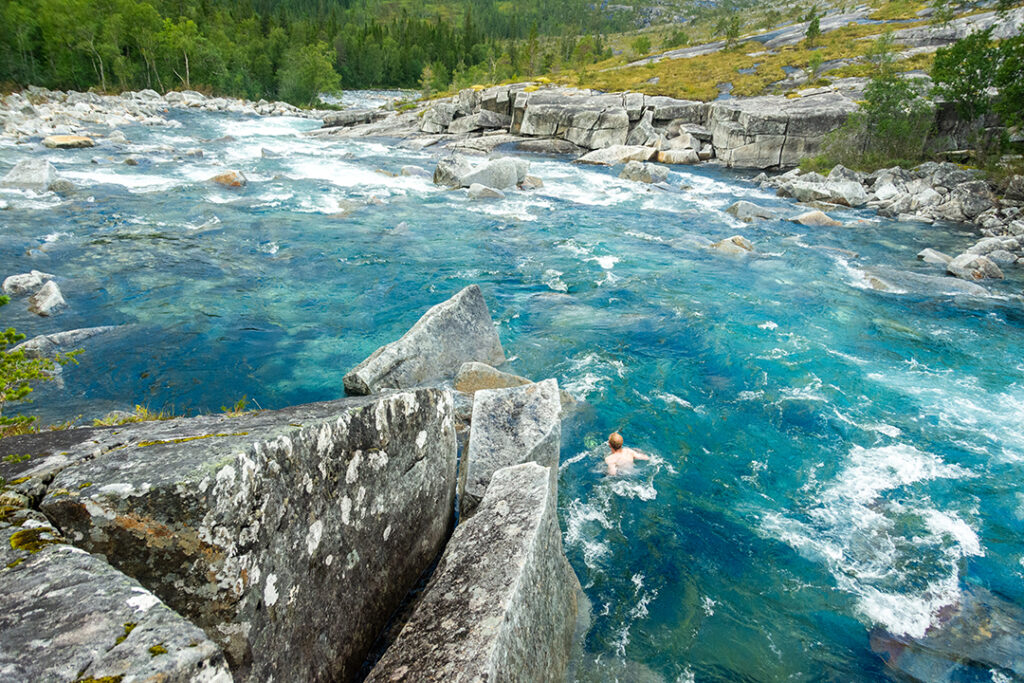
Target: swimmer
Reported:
point(621, 458)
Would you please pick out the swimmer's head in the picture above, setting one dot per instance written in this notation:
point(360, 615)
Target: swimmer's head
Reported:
point(615, 441)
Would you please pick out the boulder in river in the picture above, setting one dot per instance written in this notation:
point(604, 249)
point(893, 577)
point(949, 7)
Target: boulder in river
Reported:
point(510, 426)
point(478, 191)
point(974, 267)
point(815, 218)
point(25, 283)
point(67, 142)
point(446, 336)
point(450, 170)
point(617, 154)
point(232, 179)
point(33, 174)
point(930, 255)
point(66, 615)
point(736, 245)
point(501, 605)
point(678, 156)
point(644, 173)
point(749, 212)
point(47, 301)
point(289, 536)
point(500, 174)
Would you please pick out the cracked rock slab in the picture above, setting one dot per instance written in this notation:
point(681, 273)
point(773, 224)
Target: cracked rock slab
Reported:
point(289, 536)
point(449, 334)
point(501, 605)
point(66, 615)
point(509, 427)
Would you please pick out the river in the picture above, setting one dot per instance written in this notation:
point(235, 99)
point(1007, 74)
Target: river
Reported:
point(827, 459)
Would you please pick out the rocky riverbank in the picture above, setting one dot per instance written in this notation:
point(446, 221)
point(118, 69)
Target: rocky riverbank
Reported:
point(290, 537)
point(38, 112)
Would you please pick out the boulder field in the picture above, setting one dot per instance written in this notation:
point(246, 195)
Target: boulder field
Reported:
point(279, 544)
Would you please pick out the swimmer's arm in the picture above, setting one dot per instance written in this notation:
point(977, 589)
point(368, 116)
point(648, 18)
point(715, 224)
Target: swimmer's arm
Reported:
point(637, 455)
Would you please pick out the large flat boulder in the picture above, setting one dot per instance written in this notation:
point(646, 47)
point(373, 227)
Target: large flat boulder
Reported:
point(289, 536)
point(66, 615)
point(449, 334)
point(501, 605)
point(617, 154)
point(510, 426)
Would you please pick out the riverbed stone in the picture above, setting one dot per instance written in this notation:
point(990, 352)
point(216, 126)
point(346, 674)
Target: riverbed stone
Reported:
point(736, 245)
point(32, 174)
point(749, 212)
point(48, 300)
point(499, 174)
point(510, 426)
point(67, 142)
point(815, 218)
point(289, 536)
point(617, 154)
point(974, 267)
point(233, 179)
point(25, 283)
point(501, 605)
point(640, 172)
point(930, 255)
point(446, 336)
point(66, 615)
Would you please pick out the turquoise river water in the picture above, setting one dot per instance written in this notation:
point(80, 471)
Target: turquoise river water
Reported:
point(829, 460)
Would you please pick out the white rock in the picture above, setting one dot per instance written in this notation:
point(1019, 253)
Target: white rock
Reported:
point(47, 301)
point(25, 283)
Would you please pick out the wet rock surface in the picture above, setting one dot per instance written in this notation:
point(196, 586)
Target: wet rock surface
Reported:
point(66, 615)
point(249, 526)
point(510, 426)
point(502, 602)
point(451, 333)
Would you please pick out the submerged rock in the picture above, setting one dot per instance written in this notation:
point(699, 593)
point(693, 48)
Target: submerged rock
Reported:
point(230, 179)
point(289, 536)
point(748, 212)
point(644, 173)
point(446, 336)
point(67, 142)
point(510, 426)
point(50, 344)
point(25, 283)
point(501, 605)
point(47, 301)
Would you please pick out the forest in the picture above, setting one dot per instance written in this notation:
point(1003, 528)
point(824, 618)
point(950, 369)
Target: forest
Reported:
point(291, 50)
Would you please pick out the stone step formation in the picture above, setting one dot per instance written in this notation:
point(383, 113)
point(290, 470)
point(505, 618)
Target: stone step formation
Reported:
point(278, 544)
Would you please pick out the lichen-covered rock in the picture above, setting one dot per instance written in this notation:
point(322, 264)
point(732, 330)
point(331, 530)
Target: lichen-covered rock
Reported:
point(510, 426)
point(66, 615)
point(501, 605)
point(449, 334)
point(289, 536)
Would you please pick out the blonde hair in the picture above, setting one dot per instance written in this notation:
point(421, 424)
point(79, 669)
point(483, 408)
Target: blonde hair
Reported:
point(615, 441)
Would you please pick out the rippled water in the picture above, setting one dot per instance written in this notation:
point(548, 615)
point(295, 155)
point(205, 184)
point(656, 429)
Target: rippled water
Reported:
point(827, 458)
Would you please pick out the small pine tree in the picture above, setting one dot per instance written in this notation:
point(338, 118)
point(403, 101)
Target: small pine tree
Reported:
point(813, 28)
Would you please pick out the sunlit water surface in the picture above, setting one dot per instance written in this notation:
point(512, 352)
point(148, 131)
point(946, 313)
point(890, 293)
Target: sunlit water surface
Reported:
point(827, 458)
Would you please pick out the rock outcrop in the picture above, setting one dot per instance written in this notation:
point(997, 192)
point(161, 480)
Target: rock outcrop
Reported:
point(501, 605)
point(289, 536)
point(510, 426)
point(451, 333)
point(66, 615)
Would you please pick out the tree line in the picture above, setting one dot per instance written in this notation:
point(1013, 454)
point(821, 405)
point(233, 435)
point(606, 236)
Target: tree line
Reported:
point(287, 49)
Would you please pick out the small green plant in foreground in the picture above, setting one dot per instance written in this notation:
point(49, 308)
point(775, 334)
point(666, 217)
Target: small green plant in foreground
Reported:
point(18, 372)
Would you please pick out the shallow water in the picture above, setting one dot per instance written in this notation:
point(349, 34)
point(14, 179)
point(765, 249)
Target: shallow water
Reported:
point(827, 458)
